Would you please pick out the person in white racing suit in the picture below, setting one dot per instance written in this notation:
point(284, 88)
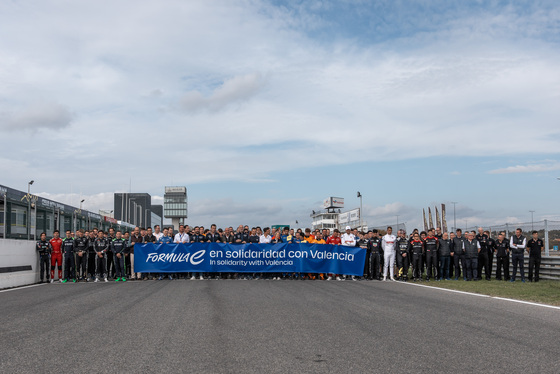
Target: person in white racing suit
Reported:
point(388, 243)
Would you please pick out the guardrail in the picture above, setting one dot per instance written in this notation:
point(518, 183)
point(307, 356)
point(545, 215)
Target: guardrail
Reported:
point(550, 267)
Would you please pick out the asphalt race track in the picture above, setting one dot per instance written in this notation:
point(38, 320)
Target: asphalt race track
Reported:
point(270, 326)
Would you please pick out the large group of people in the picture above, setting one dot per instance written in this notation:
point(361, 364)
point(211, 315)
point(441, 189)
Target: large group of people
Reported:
point(94, 255)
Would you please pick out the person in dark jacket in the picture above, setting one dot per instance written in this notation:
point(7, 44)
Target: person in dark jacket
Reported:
point(119, 247)
point(431, 245)
point(472, 249)
point(44, 257)
point(109, 255)
point(68, 252)
point(80, 249)
point(228, 236)
point(445, 248)
point(518, 243)
point(535, 247)
point(483, 255)
point(374, 246)
point(458, 255)
point(416, 249)
point(91, 255)
point(101, 247)
point(501, 250)
point(491, 247)
point(403, 259)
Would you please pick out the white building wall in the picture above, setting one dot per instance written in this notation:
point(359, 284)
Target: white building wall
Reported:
point(18, 253)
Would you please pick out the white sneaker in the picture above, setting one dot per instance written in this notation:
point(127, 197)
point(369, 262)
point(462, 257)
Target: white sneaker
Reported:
point(354, 278)
point(384, 278)
point(96, 280)
point(338, 279)
point(60, 280)
point(52, 280)
point(393, 279)
point(106, 279)
point(201, 278)
point(329, 278)
point(193, 277)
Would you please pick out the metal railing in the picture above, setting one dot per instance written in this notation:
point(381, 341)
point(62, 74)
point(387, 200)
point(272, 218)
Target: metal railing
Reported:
point(548, 230)
point(550, 267)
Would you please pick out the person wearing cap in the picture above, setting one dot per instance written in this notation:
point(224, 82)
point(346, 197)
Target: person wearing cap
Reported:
point(349, 240)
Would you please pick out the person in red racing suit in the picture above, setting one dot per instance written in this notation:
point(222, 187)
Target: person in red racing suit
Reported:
point(334, 240)
point(56, 254)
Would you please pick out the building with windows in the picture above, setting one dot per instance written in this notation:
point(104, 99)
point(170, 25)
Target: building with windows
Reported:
point(24, 215)
point(158, 210)
point(175, 205)
point(324, 220)
point(332, 217)
point(134, 208)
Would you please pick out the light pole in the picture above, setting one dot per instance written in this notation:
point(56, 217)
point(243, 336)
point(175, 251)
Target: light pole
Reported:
point(29, 209)
point(360, 196)
point(454, 216)
point(5, 214)
point(146, 217)
point(135, 213)
point(76, 219)
point(86, 221)
point(532, 211)
point(111, 212)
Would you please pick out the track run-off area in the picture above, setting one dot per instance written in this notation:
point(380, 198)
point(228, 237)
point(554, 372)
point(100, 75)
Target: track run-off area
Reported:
point(266, 326)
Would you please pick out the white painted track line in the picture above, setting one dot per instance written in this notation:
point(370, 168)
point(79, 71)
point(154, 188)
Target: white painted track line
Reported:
point(480, 295)
point(21, 288)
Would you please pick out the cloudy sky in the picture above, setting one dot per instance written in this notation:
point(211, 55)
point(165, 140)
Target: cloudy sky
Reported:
point(264, 108)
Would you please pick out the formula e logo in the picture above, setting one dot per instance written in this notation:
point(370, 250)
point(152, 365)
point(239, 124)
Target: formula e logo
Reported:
point(194, 258)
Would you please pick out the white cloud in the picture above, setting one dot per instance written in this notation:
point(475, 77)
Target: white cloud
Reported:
point(257, 94)
point(235, 90)
point(530, 168)
point(49, 116)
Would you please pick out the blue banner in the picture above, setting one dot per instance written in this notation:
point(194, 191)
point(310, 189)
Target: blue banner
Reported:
point(249, 258)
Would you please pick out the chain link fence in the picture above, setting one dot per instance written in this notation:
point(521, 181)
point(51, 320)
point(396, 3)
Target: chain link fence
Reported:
point(383, 228)
point(548, 230)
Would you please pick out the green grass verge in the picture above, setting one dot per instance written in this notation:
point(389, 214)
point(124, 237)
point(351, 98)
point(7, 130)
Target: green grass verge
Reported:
point(544, 291)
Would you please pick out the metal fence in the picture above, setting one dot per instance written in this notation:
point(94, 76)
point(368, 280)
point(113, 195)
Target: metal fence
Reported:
point(395, 226)
point(548, 230)
point(550, 267)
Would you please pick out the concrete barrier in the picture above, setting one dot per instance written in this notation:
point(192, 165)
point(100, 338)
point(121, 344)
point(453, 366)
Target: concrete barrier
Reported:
point(19, 263)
